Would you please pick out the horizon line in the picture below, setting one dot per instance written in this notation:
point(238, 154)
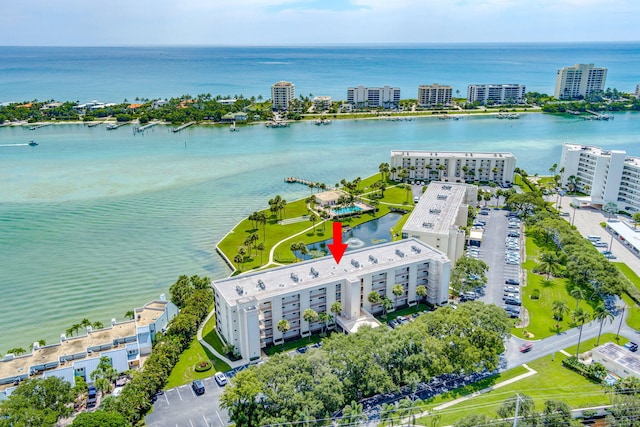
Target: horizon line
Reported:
point(315, 45)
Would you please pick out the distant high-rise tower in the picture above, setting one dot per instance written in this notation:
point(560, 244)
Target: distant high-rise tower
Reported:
point(579, 81)
point(281, 94)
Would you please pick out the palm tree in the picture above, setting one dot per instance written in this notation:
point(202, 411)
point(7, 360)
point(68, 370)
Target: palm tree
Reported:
point(579, 294)
point(238, 260)
point(441, 169)
point(580, 316)
point(283, 327)
point(313, 218)
point(559, 308)
point(353, 414)
point(129, 315)
point(260, 248)
point(600, 313)
point(549, 264)
point(389, 412)
point(310, 316)
point(324, 318)
point(336, 309)
point(374, 298)
point(421, 291)
point(386, 305)
point(17, 351)
point(495, 171)
point(397, 290)
point(41, 343)
point(409, 408)
point(384, 169)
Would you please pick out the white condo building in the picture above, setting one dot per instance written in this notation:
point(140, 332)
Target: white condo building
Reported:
point(440, 216)
point(455, 166)
point(281, 94)
point(385, 96)
point(249, 306)
point(496, 93)
point(604, 175)
point(579, 81)
point(124, 343)
point(435, 94)
point(322, 103)
point(637, 93)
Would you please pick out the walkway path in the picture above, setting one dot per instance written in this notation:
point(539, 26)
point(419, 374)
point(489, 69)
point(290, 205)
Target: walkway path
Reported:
point(213, 350)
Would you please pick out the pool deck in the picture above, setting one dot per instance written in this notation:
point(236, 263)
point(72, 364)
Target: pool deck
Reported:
point(357, 209)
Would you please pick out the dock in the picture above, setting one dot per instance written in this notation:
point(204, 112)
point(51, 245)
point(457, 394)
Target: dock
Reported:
point(113, 126)
point(296, 180)
point(597, 116)
point(145, 127)
point(181, 127)
point(94, 124)
point(41, 125)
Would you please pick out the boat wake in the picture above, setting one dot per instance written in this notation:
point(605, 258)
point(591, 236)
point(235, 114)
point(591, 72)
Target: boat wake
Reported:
point(14, 145)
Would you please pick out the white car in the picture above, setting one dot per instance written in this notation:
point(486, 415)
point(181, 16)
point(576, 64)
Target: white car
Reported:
point(220, 378)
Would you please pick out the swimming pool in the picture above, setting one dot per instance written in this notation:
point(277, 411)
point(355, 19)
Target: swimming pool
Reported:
point(347, 210)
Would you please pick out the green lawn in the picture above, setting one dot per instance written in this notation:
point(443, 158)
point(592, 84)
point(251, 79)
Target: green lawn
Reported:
point(290, 345)
point(633, 317)
point(552, 381)
point(184, 372)
point(542, 324)
point(273, 232)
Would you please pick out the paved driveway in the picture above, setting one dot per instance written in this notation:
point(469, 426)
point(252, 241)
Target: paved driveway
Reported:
point(180, 407)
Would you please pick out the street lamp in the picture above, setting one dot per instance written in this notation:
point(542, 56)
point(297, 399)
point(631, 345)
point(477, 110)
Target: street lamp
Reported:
point(574, 213)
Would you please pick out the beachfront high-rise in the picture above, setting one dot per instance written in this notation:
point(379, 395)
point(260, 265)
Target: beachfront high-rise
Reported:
point(386, 96)
point(579, 81)
point(248, 307)
point(454, 166)
point(281, 94)
point(604, 175)
point(496, 93)
point(434, 95)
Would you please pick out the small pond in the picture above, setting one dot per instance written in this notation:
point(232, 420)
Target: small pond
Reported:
point(368, 234)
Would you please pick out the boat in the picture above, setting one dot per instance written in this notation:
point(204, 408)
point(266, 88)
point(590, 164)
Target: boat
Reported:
point(32, 143)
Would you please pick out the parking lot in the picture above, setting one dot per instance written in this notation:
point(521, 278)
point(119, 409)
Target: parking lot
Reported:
point(181, 407)
point(502, 250)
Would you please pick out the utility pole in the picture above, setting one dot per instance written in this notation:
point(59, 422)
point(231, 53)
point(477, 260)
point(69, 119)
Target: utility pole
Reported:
point(515, 419)
point(621, 317)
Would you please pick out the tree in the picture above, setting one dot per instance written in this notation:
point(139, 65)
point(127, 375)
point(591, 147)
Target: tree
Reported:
point(468, 274)
point(37, 402)
point(313, 218)
point(600, 313)
point(421, 291)
point(260, 248)
point(611, 208)
point(240, 398)
point(353, 414)
point(336, 309)
point(324, 318)
point(473, 420)
point(100, 419)
point(238, 259)
point(104, 375)
point(580, 316)
point(579, 294)
point(409, 408)
point(559, 308)
point(549, 264)
point(283, 327)
point(556, 414)
point(17, 351)
point(389, 413)
point(526, 409)
point(386, 305)
point(374, 297)
point(636, 219)
point(129, 315)
point(397, 290)
point(310, 316)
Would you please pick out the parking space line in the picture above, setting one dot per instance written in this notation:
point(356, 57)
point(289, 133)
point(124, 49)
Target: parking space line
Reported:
point(205, 421)
point(220, 418)
point(179, 395)
point(166, 398)
point(190, 422)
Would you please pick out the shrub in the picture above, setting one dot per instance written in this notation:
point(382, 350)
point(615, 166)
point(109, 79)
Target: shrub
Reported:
point(535, 294)
point(203, 366)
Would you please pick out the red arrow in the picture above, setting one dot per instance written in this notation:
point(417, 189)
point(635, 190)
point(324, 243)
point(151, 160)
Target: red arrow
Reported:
point(337, 248)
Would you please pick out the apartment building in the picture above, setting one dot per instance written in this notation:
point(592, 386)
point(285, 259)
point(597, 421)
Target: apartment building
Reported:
point(579, 81)
point(122, 342)
point(455, 166)
point(604, 175)
point(248, 307)
point(496, 93)
point(440, 215)
point(386, 96)
point(321, 103)
point(637, 92)
point(281, 94)
point(435, 94)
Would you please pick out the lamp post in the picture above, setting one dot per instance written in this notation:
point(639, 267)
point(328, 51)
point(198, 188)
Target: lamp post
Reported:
point(574, 213)
point(621, 318)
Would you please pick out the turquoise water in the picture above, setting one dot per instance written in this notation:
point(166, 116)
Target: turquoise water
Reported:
point(347, 210)
point(93, 223)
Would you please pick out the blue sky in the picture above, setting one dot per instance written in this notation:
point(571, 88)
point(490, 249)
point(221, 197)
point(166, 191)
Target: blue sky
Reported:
point(309, 22)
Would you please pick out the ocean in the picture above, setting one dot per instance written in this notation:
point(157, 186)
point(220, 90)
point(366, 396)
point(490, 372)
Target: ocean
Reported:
point(94, 223)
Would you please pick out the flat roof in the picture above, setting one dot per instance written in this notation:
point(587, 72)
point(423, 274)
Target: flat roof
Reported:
point(631, 236)
point(621, 356)
point(461, 154)
point(52, 353)
point(437, 209)
point(150, 312)
point(308, 274)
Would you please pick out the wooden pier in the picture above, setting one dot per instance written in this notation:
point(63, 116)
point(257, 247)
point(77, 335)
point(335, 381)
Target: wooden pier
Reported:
point(114, 126)
point(184, 126)
point(41, 125)
point(296, 180)
point(145, 127)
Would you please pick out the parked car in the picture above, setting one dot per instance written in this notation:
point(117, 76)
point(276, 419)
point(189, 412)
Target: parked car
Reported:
point(512, 301)
point(610, 256)
point(631, 346)
point(92, 396)
point(512, 282)
point(301, 350)
point(526, 347)
point(198, 387)
point(600, 244)
point(511, 289)
point(221, 378)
